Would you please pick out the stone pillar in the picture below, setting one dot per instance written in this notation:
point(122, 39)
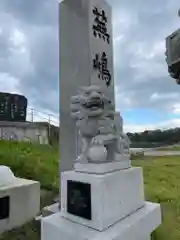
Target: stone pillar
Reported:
point(78, 49)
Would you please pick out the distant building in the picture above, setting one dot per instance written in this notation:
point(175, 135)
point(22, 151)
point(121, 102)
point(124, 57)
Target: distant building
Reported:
point(13, 107)
point(13, 124)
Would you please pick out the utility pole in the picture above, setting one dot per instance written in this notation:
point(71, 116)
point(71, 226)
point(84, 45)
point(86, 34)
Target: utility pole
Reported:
point(49, 125)
point(32, 115)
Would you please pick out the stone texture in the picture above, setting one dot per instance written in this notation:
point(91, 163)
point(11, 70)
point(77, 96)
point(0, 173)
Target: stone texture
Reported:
point(113, 196)
point(172, 48)
point(24, 205)
point(103, 167)
point(137, 226)
point(119, 120)
point(173, 55)
point(6, 176)
point(76, 65)
point(93, 111)
point(48, 210)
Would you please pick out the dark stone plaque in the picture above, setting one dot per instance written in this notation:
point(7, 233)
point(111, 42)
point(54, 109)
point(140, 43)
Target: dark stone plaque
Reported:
point(79, 199)
point(4, 207)
point(13, 107)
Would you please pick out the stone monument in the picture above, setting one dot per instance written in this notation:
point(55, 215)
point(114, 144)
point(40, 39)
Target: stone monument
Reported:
point(102, 197)
point(173, 54)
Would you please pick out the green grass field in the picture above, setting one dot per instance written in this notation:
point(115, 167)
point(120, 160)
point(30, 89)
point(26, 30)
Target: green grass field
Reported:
point(37, 162)
point(162, 185)
point(161, 178)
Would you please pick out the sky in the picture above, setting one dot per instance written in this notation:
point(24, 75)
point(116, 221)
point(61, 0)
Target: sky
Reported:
point(145, 94)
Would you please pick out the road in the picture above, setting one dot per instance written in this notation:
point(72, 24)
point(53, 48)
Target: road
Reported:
point(155, 152)
point(161, 153)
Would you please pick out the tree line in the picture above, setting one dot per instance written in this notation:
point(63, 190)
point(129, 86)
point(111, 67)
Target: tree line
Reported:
point(155, 138)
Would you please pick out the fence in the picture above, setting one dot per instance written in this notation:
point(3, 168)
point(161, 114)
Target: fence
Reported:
point(34, 115)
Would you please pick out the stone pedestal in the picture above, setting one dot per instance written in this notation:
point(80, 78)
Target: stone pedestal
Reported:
point(102, 199)
point(102, 206)
point(137, 226)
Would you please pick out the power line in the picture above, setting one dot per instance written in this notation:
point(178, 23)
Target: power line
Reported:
point(30, 109)
point(50, 118)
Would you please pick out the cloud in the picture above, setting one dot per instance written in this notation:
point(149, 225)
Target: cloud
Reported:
point(5, 79)
point(29, 54)
point(172, 123)
point(29, 49)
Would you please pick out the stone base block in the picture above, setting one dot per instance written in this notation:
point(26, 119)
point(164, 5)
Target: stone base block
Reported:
point(137, 226)
point(19, 203)
point(102, 167)
point(51, 209)
point(98, 201)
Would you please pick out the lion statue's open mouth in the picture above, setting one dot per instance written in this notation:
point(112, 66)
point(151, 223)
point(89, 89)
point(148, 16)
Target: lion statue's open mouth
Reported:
point(94, 103)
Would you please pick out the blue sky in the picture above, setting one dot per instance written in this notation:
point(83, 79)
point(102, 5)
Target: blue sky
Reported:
point(145, 116)
point(146, 96)
point(150, 119)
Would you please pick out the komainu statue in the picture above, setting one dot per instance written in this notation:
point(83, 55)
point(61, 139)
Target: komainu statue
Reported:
point(101, 141)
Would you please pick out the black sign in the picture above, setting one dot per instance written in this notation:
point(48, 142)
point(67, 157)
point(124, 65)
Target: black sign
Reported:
point(12, 107)
point(100, 25)
point(4, 207)
point(100, 64)
point(79, 199)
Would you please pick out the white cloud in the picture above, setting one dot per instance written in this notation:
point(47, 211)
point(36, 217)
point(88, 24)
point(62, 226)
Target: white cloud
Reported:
point(123, 100)
point(19, 54)
point(172, 123)
point(18, 39)
point(9, 83)
point(175, 108)
point(159, 48)
point(163, 96)
point(137, 128)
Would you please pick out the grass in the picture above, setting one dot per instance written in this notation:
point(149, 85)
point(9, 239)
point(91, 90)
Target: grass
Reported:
point(162, 185)
point(31, 161)
point(161, 178)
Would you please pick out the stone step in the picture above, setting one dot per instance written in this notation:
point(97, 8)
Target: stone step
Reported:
point(51, 209)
